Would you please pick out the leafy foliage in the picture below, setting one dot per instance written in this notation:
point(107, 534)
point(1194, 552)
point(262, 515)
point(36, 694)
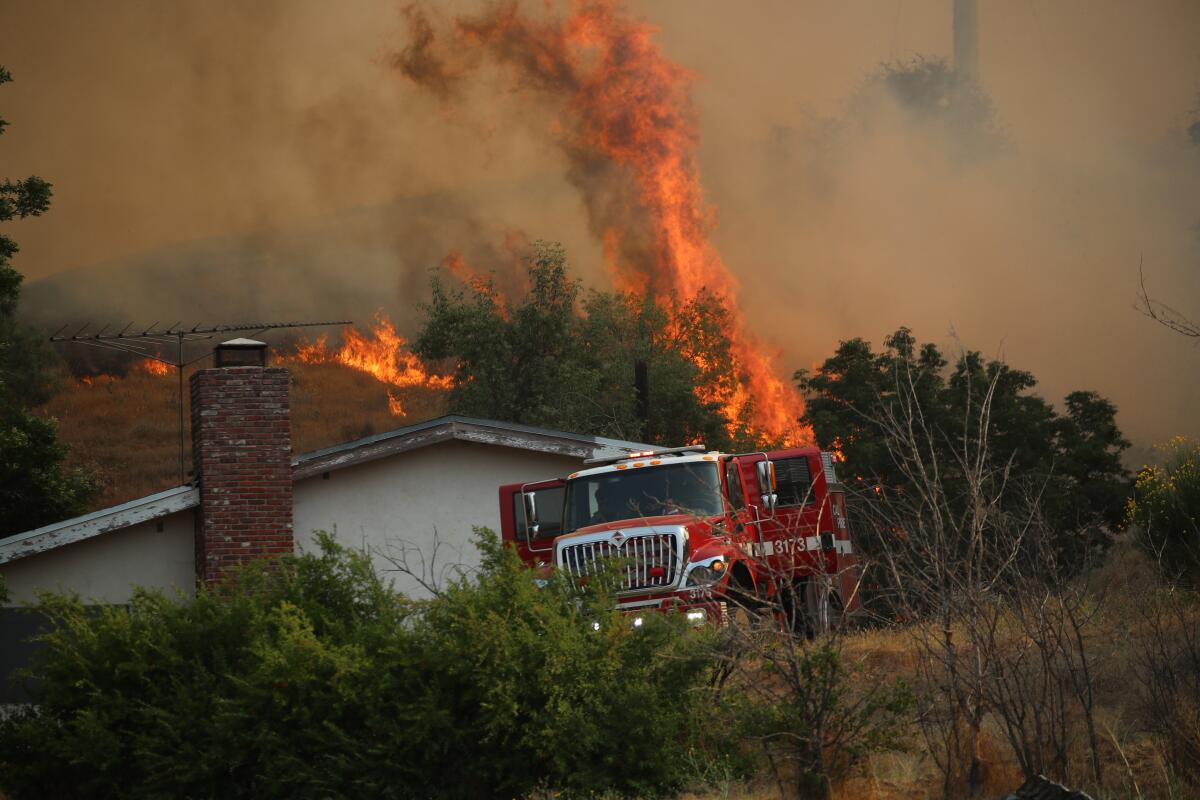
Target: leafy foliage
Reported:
point(1072, 460)
point(318, 681)
point(562, 359)
point(35, 488)
point(1165, 508)
point(23, 377)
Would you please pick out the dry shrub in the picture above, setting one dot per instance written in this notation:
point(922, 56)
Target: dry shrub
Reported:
point(913, 775)
point(1166, 666)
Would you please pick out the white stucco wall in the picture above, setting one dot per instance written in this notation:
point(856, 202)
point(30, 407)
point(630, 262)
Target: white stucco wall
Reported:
point(412, 501)
point(431, 495)
point(105, 568)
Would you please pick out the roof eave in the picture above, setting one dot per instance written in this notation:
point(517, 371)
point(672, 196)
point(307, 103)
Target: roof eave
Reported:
point(96, 523)
point(464, 429)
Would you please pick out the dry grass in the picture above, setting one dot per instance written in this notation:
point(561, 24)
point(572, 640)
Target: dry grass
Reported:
point(126, 429)
point(1133, 761)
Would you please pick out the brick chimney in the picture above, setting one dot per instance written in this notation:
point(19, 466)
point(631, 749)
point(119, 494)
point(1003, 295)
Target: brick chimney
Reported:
point(242, 449)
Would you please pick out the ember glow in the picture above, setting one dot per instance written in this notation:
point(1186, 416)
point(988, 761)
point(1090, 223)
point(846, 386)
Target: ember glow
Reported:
point(96, 380)
point(382, 353)
point(625, 118)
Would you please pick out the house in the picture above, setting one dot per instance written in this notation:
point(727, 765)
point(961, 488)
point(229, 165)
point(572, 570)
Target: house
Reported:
point(412, 494)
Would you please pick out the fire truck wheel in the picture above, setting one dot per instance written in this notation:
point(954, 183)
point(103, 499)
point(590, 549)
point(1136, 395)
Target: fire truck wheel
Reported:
point(741, 600)
point(825, 607)
point(835, 612)
point(797, 615)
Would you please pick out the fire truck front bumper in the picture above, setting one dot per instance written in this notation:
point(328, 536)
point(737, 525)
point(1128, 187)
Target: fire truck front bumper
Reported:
point(696, 609)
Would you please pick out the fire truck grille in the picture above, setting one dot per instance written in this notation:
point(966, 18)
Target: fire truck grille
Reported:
point(650, 560)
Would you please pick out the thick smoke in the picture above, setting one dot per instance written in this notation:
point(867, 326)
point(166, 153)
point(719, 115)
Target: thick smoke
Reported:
point(623, 118)
point(842, 211)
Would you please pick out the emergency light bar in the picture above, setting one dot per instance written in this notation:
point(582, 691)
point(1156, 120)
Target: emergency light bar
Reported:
point(669, 451)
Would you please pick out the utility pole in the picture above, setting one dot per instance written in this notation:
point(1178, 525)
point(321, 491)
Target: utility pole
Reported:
point(966, 40)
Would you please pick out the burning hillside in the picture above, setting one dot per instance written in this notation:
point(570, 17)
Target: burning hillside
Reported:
point(624, 120)
point(125, 428)
point(383, 354)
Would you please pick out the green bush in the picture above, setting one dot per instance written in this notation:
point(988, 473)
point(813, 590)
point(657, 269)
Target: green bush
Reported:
point(317, 681)
point(1165, 510)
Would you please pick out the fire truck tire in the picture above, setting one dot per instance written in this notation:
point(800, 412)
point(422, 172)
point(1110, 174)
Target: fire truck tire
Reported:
point(797, 615)
point(741, 598)
point(835, 612)
point(825, 607)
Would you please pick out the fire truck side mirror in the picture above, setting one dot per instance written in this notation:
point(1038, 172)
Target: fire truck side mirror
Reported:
point(767, 484)
point(531, 518)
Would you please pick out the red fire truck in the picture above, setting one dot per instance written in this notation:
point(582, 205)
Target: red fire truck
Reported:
point(704, 533)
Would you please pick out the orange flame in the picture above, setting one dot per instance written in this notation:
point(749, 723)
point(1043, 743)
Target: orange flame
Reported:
point(383, 353)
point(625, 104)
point(394, 404)
point(387, 357)
point(154, 367)
point(456, 264)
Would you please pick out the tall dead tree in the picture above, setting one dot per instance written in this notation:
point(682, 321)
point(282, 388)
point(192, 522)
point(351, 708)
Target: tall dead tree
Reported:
point(969, 566)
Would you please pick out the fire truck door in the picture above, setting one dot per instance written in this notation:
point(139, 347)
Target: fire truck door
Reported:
point(792, 540)
point(743, 518)
point(533, 546)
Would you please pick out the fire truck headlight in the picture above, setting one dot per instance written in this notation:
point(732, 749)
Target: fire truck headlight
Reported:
point(697, 616)
point(706, 573)
point(638, 621)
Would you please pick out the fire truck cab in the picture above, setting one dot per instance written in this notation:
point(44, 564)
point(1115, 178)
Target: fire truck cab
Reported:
point(699, 532)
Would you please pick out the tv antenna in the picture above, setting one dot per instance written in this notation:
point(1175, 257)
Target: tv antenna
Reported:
point(149, 342)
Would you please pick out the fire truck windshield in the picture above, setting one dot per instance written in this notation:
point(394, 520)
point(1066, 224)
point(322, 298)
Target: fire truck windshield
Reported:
point(691, 488)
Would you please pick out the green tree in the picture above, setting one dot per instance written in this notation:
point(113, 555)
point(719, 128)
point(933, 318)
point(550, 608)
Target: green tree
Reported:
point(560, 358)
point(1072, 460)
point(25, 379)
point(34, 487)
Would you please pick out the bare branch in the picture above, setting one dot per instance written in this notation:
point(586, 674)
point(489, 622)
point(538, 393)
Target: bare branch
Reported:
point(1162, 313)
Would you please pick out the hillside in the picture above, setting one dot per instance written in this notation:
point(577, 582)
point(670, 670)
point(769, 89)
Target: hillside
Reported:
point(126, 428)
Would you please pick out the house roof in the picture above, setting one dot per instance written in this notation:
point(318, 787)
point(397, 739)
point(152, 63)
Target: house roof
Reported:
point(306, 465)
point(467, 429)
point(69, 531)
point(1040, 787)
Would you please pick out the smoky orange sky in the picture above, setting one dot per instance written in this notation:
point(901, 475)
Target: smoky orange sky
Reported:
point(839, 213)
